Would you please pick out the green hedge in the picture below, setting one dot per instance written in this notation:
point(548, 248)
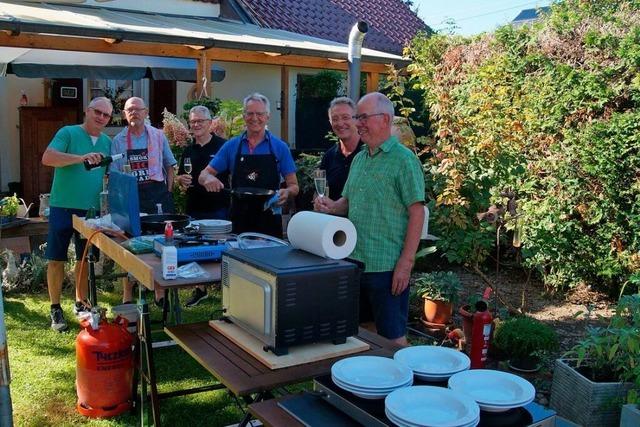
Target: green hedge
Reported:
point(549, 111)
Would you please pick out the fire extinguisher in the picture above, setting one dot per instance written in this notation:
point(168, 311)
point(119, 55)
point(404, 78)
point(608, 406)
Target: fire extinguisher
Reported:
point(481, 333)
point(104, 366)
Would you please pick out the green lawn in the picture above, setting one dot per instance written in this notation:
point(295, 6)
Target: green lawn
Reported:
point(42, 366)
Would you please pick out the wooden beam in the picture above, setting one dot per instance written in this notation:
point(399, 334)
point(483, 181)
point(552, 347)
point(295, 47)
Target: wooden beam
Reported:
point(373, 81)
point(203, 76)
point(41, 41)
point(46, 83)
point(284, 103)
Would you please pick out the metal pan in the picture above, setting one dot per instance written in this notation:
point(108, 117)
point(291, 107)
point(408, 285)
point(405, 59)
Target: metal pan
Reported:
point(156, 223)
point(251, 193)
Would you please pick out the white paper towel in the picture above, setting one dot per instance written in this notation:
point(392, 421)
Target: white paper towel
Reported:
point(321, 234)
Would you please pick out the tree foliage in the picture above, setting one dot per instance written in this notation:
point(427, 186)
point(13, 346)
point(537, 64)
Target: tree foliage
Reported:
point(549, 111)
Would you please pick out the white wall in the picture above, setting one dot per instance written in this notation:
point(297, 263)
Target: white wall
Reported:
point(240, 81)
point(10, 87)
point(176, 7)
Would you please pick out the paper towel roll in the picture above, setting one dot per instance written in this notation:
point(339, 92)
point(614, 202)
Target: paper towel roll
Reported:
point(321, 234)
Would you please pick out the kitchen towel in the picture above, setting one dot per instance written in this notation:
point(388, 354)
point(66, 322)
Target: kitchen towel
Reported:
point(321, 234)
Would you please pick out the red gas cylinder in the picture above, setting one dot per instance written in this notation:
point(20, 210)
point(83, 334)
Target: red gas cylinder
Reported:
point(104, 368)
point(480, 336)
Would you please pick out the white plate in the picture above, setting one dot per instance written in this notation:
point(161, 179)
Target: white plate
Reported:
point(353, 388)
point(211, 223)
point(433, 362)
point(404, 423)
point(371, 372)
point(493, 389)
point(432, 406)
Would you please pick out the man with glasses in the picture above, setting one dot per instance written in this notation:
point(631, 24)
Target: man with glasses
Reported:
point(255, 159)
point(74, 191)
point(151, 161)
point(383, 197)
point(200, 203)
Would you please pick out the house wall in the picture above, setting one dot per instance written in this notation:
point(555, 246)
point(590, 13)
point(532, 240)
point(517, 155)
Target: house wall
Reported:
point(176, 7)
point(10, 87)
point(240, 81)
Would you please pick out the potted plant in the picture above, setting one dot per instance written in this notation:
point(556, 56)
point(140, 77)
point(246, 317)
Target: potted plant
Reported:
point(602, 371)
point(523, 340)
point(8, 209)
point(439, 290)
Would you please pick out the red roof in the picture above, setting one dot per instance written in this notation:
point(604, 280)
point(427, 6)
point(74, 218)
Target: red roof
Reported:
point(391, 22)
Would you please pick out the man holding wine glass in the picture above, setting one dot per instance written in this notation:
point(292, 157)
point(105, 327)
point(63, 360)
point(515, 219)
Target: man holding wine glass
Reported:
point(383, 197)
point(201, 204)
point(337, 160)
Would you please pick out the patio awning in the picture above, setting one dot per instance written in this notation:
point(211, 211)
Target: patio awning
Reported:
point(60, 64)
point(124, 25)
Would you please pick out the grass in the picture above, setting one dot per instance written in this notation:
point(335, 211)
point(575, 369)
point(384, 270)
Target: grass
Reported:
point(42, 364)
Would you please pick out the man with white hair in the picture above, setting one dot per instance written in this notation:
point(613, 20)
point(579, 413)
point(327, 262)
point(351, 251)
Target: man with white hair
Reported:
point(383, 197)
point(74, 191)
point(255, 159)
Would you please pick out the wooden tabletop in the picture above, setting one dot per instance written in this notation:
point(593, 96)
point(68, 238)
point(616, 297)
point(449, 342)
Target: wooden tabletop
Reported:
point(146, 268)
point(242, 373)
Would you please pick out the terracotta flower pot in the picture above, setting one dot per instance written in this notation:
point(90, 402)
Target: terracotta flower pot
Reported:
point(437, 311)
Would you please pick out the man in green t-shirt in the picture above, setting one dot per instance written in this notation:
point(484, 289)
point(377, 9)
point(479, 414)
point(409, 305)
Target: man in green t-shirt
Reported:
point(74, 191)
point(383, 197)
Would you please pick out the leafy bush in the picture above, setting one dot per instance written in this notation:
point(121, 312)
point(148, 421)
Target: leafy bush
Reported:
point(521, 337)
point(213, 104)
point(438, 286)
point(9, 206)
point(550, 112)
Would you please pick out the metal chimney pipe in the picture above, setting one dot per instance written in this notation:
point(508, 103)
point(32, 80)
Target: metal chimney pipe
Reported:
point(356, 37)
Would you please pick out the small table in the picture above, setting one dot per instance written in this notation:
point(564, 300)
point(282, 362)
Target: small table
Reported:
point(243, 374)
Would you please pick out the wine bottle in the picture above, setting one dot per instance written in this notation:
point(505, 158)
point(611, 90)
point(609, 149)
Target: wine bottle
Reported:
point(106, 160)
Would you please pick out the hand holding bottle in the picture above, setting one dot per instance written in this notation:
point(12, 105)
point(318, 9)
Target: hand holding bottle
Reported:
point(91, 161)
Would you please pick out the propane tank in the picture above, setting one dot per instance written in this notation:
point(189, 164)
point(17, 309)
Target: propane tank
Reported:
point(104, 367)
point(481, 333)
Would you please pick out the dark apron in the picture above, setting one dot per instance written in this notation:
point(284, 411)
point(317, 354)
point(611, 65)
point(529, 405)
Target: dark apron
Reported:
point(150, 193)
point(259, 171)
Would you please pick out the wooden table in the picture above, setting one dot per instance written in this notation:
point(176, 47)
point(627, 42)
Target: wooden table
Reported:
point(271, 415)
point(243, 374)
point(24, 235)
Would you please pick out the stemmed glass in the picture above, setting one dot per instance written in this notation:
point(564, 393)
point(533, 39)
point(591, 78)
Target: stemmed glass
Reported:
point(188, 167)
point(320, 181)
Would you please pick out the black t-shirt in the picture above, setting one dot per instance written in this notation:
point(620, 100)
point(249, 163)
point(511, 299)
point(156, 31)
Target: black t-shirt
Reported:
point(337, 168)
point(199, 200)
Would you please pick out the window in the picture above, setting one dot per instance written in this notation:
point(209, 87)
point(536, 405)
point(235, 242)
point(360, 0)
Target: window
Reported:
point(118, 91)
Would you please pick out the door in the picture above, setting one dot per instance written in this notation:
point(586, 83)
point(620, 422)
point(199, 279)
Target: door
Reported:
point(163, 95)
point(38, 125)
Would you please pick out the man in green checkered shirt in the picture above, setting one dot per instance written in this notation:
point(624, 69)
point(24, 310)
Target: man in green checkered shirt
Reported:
point(383, 197)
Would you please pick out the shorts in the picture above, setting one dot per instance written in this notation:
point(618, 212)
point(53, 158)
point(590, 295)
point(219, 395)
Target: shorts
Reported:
point(389, 312)
point(60, 233)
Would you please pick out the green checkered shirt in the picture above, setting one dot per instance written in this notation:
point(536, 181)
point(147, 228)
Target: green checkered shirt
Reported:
point(380, 188)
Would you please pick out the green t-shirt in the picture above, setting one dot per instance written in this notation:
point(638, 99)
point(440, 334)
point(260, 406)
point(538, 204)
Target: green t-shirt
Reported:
point(73, 186)
point(380, 189)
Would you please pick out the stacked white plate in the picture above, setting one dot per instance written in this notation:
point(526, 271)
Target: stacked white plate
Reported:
point(210, 227)
point(370, 377)
point(428, 406)
point(495, 391)
point(432, 363)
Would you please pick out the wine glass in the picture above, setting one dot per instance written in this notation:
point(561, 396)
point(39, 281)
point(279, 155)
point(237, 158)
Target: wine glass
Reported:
point(188, 167)
point(320, 181)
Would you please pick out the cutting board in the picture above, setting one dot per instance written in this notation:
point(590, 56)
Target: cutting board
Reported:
point(298, 355)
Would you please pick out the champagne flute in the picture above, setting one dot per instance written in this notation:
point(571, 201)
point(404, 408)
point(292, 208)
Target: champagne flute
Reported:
point(188, 167)
point(320, 181)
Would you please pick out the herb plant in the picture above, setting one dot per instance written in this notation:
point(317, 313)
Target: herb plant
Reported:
point(438, 286)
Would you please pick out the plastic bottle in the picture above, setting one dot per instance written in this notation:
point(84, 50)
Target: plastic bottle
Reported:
point(106, 160)
point(169, 254)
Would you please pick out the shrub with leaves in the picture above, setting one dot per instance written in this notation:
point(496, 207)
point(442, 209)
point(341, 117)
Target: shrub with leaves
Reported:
point(550, 112)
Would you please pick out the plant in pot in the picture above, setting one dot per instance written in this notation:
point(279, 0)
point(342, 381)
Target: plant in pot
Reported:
point(8, 209)
point(440, 291)
point(523, 340)
point(594, 378)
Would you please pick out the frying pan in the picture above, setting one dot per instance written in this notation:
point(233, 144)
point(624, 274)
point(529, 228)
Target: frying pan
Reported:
point(156, 223)
point(251, 193)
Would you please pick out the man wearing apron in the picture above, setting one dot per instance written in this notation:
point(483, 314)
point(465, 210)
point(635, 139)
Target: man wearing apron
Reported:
point(148, 156)
point(151, 161)
point(255, 159)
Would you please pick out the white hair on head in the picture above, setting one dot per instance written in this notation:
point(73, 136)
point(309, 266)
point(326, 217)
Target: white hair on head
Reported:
point(257, 97)
point(136, 98)
point(201, 110)
point(383, 104)
point(99, 99)
point(342, 100)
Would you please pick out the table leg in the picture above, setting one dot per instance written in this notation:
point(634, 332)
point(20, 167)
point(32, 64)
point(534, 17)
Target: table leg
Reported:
point(147, 368)
point(249, 400)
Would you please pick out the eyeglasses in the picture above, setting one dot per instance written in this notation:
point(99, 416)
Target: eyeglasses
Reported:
point(255, 113)
point(100, 113)
point(365, 117)
point(131, 110)
point(198, 122)
point(343, 118)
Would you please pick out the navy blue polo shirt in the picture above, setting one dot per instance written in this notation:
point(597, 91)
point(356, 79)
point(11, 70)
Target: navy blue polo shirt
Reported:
point(337, 168)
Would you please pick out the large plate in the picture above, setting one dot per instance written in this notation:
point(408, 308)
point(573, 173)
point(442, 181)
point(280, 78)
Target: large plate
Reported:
point(403, 423)
point(353, 388)
point(432, 362)
point(371, 372)
point(493, 389)
point(432, 406)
